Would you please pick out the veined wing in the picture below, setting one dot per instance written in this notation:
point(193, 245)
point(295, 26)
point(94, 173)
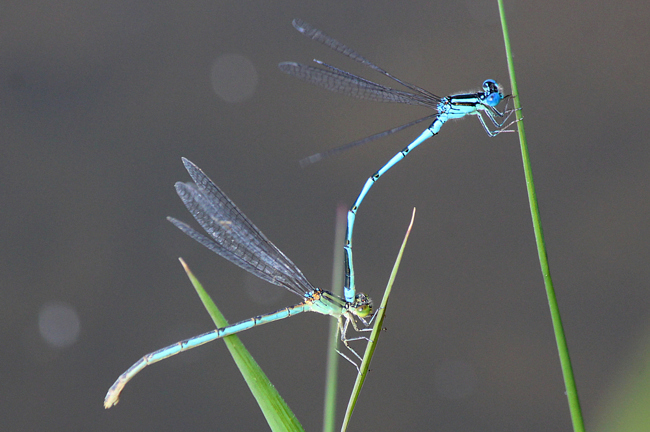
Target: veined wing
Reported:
point(319, 36)
point(234, 236)
point(339, 81)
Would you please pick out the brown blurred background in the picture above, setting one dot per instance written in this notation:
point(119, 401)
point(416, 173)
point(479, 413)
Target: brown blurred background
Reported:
point(99, 101)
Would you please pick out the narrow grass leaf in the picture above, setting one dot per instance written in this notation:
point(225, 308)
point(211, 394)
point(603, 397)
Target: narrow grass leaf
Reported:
point(277, 413)
point(374, 336)
point(558, 329)
point(332, 368)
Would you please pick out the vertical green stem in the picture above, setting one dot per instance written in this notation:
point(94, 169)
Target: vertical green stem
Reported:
point(563, 349)
point(331, 377)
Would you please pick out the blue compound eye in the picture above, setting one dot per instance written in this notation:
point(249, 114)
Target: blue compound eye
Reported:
point(490, 86)
point(494, 99)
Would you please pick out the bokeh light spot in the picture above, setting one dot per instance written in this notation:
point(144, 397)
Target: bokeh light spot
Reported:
point(233, 77)
point(59, 324)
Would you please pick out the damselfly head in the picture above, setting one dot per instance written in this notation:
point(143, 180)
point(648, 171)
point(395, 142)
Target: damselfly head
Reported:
point(490, 86)
point(493, 93)
point(362, 306)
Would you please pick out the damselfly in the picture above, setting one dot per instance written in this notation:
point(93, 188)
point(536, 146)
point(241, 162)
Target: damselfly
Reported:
point(237, 239)
point(449, 107)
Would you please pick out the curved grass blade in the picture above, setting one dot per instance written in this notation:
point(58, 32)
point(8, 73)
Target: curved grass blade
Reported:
point(376, 329)
point(277, 413)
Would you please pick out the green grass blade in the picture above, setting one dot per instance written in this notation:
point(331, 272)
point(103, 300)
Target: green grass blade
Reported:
point(376, 329)
point(332, 368)
point(563, 349)
point(275, 410)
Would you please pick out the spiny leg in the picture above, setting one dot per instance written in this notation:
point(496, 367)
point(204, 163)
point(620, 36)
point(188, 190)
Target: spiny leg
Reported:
point(350, 360)
point(500, 127)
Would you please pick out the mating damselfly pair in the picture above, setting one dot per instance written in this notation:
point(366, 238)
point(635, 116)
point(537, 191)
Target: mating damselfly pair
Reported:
point(233, 236)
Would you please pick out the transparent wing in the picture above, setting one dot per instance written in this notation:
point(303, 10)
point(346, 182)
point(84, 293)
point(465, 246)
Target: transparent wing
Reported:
point(319, 36)
point(339, 81)
point(233, 235)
